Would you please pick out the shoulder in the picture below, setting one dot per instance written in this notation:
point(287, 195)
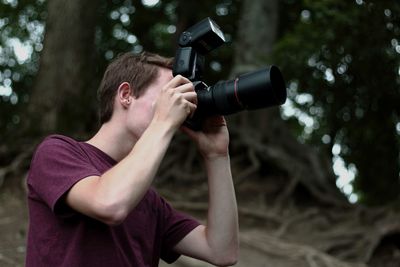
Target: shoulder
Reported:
point(55, 142)
point(57, 139)
point(60, 156)
point(56, 146)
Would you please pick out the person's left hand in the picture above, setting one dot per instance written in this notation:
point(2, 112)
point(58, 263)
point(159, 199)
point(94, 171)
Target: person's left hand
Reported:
point(213, 140)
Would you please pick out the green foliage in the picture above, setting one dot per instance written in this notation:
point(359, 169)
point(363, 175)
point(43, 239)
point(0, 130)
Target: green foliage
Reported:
point(21, 25)
point(346, 54)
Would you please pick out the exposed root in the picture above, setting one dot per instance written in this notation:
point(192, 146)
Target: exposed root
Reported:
point(291, 252)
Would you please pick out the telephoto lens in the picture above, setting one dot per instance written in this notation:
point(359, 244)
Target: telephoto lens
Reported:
point(254, 90)
point(259, 89)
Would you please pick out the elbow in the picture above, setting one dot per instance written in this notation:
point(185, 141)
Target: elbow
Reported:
point(112, 214)
point(228, 259)
point(229, 262)
point(113, 220)
point(232, 259)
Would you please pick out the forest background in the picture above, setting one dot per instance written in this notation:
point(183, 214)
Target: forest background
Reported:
point(317, 178)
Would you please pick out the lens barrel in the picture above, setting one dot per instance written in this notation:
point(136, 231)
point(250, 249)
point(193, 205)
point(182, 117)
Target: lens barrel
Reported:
point(259, 89)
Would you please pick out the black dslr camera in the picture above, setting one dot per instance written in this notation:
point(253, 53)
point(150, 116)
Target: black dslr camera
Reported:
point(262, 88)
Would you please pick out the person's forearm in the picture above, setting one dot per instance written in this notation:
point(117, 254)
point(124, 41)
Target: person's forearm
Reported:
point(124, 185)
point(222, 224)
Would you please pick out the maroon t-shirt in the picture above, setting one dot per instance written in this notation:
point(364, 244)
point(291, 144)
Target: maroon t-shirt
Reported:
point(59, 236)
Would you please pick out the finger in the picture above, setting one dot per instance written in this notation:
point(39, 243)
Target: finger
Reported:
point(192, 107)
point(187, 87)
point(191, 97)
point(177, 81)
point(189, 109)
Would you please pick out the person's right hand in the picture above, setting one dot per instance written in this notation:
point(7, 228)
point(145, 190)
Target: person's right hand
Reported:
point(175, 102)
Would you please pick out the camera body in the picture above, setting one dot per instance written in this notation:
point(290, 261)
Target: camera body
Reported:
point(262, 88)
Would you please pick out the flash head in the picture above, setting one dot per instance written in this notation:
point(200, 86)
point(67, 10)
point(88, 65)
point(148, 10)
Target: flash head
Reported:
point(203, 36)
point(194, 43)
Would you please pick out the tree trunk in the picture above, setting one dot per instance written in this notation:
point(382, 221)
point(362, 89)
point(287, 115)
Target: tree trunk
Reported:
point(256, 37)
point(66, 68)
point(63, 96)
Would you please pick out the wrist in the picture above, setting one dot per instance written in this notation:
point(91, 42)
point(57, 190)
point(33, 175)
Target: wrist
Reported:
point(212, 159)
point(163, 128)
point(218, 168)
point(163, 121)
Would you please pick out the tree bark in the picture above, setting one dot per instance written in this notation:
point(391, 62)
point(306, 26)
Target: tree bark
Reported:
point(66, 68)
point(256, 34)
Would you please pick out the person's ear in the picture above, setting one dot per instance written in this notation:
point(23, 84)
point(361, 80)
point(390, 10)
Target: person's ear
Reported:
point(125, 94)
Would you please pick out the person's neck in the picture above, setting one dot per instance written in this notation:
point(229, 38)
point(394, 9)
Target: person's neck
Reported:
point(113, 140)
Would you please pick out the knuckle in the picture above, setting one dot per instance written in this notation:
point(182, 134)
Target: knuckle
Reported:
point(169, 92)
point(183, 78)
point(165, 90)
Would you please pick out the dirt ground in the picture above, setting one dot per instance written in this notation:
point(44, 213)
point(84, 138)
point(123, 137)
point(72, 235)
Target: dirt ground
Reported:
point(13, 223)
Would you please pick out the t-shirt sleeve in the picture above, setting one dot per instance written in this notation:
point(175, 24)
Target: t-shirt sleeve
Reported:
point(56, 166)
point(176, 226)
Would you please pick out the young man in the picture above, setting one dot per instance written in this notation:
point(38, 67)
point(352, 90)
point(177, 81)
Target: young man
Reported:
point(91, 203)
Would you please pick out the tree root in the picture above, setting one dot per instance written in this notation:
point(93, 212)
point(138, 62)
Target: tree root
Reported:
point(344, 241)
point(276, 247)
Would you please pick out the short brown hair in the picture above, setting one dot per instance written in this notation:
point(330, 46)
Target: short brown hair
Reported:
point(139, 70)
